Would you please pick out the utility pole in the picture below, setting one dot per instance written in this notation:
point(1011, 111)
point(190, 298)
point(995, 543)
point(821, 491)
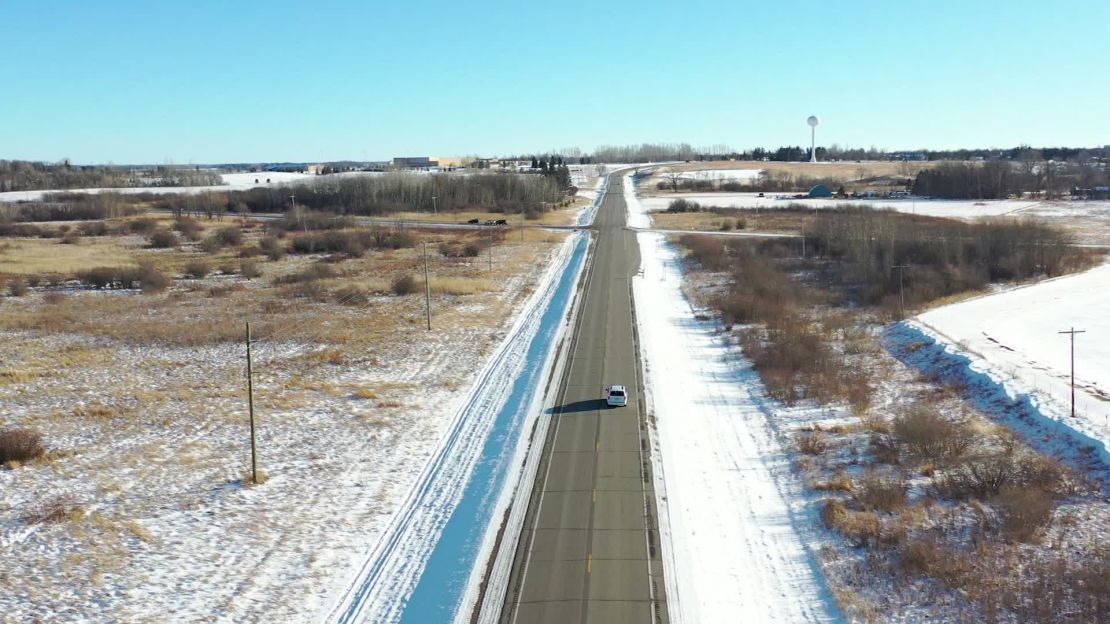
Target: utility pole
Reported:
point(250, 409)
point(427, 289)
point(490, 247)
point(803, 241)
point(901, 286)
point(304, 226)
point(522, 223)
point(1072, 332)
point(434, 204)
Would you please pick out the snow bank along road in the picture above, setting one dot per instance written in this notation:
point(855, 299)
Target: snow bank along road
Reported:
point(734, 546)
point(589, 548)
point(434, 538)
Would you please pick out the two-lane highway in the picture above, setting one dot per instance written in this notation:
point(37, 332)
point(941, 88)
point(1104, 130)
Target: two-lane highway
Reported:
point(589, 551)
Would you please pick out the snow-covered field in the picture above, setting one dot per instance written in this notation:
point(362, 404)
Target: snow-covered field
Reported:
point(735, 529)
point(935, 208)
point(723, 175)
point(1013, 336)
point(241, 181)
point(167, 529)
point(1088, 221)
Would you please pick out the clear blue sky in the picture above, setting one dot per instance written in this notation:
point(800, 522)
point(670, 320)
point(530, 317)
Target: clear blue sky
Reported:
point(232, 81)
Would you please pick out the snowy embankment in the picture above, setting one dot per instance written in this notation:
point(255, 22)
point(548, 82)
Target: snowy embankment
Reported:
point(437, 537)
point(587, 214)
point(737, 537)
point(723, 175)
point(1008, 347)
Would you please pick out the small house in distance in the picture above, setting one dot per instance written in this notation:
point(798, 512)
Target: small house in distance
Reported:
point(820, 191)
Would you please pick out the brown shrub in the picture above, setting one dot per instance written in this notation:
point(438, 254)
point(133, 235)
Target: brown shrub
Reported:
point(840, 482)
point(405, 285)
point(875, 492)
point(928, 435)
point(989, 476)
point(20, 445)
point(859, 527)
point(315, 272)
point(17, 287)
point(1025, 512)
point(351, 295)
point(229, 236)
point(306, 290)
point(250, 269)
point(197, 269)
point(189, 227)
point(146, 276)
point(152, 281)
point(141, 226)
point(811, 443)
point(55, 509)
point(272, 247)
point(925, 556)
point(53, 298)
point(223, 291)
point(163, 239)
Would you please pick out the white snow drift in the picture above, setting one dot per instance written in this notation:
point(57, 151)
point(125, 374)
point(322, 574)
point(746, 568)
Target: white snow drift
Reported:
point(734, 548)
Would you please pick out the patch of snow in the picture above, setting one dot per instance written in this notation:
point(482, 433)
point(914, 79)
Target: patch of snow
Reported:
point(723, 175)
point(637, 216)
point(930, 207)
point(733, 521)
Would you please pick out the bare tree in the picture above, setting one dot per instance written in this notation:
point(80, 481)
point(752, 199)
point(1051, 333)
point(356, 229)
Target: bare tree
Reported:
point(673, 179)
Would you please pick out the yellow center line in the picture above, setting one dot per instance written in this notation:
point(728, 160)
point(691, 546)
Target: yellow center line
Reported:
point(589, 563)
point(595, 495)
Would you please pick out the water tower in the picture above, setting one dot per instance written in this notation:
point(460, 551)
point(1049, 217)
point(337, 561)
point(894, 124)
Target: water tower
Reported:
point(813, 121)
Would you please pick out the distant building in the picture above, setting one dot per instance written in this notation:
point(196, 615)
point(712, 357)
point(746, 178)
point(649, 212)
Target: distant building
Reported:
point(414, 162)
point(820, 191)
point(909, 156)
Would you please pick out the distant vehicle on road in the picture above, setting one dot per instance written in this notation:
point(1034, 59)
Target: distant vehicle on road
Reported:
point(502, 222)
point(616, 396)
point(473, 222)
point(489, 222)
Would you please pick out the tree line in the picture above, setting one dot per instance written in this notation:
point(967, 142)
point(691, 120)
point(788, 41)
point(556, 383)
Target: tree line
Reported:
point(22, 175)
point(1002, 179)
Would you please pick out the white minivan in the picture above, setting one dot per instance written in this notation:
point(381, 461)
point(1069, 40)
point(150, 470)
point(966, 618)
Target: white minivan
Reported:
point(616, 396)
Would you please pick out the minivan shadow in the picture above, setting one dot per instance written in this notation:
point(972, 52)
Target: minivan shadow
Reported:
point(589, 405)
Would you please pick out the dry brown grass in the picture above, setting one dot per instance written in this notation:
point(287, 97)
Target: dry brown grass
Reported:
point(861, 527)
point(876, 492)
point(46, 256)
point(365, 394)
point(840, 482)
point(811, 443)
point(55, 509)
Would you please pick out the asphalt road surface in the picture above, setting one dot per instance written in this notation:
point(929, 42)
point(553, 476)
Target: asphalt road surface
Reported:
point(589, 551)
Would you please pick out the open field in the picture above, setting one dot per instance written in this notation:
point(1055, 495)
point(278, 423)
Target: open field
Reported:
point(846, 170)
point(559, 216)
point(1015, 335)
point(1087, 221)
point(37, 256)
point(144, 489)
